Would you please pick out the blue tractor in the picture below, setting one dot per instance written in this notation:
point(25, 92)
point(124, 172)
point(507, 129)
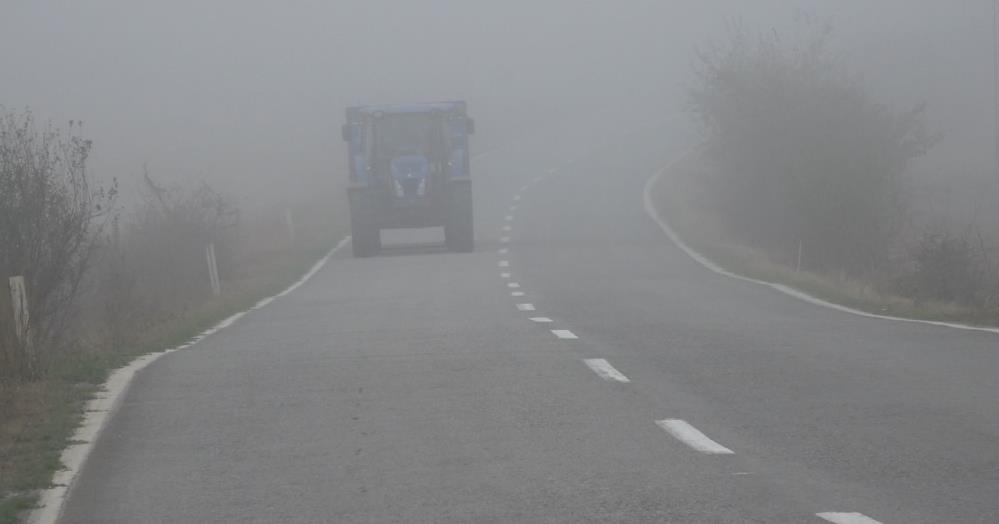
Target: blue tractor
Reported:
point(409, 168)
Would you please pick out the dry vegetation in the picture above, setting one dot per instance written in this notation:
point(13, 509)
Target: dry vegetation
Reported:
point(106, 283)
point(802, 180)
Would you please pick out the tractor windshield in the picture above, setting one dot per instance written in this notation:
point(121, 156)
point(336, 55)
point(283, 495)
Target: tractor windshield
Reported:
point(412, 133)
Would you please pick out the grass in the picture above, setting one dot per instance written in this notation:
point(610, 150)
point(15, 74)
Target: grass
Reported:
point(679, 200)
point(12, 507)
point(37, 419)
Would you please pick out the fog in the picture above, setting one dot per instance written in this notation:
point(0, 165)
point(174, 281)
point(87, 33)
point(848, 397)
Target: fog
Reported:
point(249, 95)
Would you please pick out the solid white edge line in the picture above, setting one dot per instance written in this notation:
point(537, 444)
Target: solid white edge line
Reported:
point(704, 261)
point(525, 307)
point(541, 320)
point(604, 370)
point(102, 407)
point(847, 518)
point(692, 437)
point(564, 334)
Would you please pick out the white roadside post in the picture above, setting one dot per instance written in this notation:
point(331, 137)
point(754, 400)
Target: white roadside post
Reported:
point(213, 270)
point(19, 305)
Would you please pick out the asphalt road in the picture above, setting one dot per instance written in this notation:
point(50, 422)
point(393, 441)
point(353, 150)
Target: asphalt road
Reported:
point(411, 387)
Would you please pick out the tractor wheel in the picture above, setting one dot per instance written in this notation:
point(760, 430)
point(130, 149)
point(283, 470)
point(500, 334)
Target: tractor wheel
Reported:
point(365, 239)
point(365, 235)
point(459, 232)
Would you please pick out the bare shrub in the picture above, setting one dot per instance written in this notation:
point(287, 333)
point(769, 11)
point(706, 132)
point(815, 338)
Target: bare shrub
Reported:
point(51, 215)
point(952, 267)
point(155, 267)
point(802, 152)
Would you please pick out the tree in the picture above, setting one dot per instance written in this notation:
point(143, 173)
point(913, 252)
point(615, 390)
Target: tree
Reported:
point(803, 153)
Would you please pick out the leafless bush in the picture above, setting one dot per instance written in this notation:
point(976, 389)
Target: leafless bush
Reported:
point(952, 267)
point(803, 152)
point(51, 215)
point(155, 266)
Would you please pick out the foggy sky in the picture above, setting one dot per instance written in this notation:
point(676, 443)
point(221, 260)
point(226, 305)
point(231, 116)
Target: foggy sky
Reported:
point(250, 94)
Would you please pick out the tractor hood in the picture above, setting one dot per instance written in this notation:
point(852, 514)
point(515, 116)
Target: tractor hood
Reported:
point(410, 174)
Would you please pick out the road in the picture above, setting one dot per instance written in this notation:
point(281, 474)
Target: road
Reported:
point(415, 387)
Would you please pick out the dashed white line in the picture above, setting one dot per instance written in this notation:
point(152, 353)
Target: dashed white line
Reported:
point(504, 251)
point(564, 334)
point(525, 307)
point(524, 187)
point(503, 263)
point(507, 228)
point(517, 293)
point(512, 285)
point(513, 208)
point(516, 197)
point(847, 518)
point(692, 437)
point(604, 370)
point(508, 218)
point(538, 179)
point(504, 275)
point(541, 320)
point(505, 240)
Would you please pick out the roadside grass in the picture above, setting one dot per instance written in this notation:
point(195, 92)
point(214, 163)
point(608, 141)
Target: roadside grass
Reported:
point(38, 419)
point(12, 507)
point(679, 201)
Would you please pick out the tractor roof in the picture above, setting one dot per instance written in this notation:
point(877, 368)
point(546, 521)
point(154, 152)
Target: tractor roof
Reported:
point(408, 108)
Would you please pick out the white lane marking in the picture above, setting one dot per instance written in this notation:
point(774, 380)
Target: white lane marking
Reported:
point(505, 240)
point(564, 334)
point(103, 406)
point(606, 371)
point(525, 307)
point(552, 171)
point(524, 187)
point(508, 218)
point(517, 293)
point(653, 213)
point(541, 320)
point(692, 437)
point(512, 285)
point(263, 302)
point(503, 263)
point(507, 228)
point(516, 198)
point(538, 179)
point(513, 208)
point(847, 518)
point(504, 275)
point(504, 251)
